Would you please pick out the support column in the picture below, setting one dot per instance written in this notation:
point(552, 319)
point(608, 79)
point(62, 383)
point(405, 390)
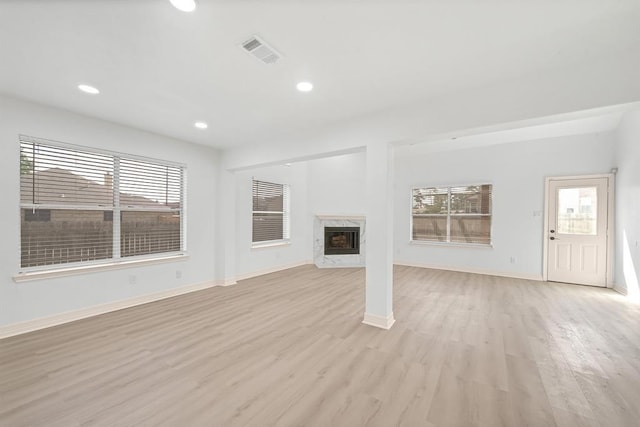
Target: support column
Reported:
point(226, 229)
point(379, 229)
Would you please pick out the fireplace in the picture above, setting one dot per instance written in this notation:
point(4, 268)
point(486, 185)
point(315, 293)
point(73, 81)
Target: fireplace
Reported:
point(341, 240)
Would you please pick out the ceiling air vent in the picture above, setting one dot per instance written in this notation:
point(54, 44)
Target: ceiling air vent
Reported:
point(261, 51)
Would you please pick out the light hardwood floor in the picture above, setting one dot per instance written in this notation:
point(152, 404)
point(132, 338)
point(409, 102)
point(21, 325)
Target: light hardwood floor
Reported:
point(289, 349)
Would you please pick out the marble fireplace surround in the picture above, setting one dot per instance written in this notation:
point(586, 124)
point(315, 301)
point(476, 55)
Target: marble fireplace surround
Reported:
point(336, 261)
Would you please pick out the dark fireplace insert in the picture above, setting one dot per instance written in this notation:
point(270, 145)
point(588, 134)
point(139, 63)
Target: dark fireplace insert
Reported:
point(341, 240)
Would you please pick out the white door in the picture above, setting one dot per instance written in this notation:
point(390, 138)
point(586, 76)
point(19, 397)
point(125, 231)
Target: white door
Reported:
point(577, 231)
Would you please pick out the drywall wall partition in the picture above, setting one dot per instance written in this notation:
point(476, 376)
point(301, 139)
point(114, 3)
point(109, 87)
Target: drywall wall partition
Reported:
point(517, 171)
point(250, 261)
point(337, 185)
point(627, 259)
point(331, 185)
point(47, 297)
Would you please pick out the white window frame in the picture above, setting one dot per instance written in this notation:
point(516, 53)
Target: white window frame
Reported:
point(286, 217)
point(448, 241)
point(53, 270)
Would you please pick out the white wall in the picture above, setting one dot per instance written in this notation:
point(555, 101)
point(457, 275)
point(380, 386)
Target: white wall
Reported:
point(254, 261)
point(41, 298)
point(627, 262)
point(331, 185)
point(517, 172)
point(334, 185)
point(337, 185)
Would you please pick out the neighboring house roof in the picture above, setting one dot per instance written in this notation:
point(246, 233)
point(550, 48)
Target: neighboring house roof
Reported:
point(57, 186)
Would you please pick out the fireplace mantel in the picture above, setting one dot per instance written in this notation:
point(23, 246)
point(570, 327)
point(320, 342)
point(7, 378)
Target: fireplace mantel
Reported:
point(343, 260)
point(339, 217)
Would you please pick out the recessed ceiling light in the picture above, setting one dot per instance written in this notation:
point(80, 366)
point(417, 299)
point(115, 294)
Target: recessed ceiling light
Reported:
point(184, 5)
point(88, 89)
point(304, 86)
point(201, 125)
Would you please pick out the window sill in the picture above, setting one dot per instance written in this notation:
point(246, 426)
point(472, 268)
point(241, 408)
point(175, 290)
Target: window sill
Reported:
point(452, 245)
point(271, 244)
point(93, 268)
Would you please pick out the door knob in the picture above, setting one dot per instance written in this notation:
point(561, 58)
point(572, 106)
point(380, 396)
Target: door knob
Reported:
point(552, 238)
point(552, 231)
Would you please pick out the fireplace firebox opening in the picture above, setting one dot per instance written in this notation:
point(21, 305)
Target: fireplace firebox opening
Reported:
point(341, 240)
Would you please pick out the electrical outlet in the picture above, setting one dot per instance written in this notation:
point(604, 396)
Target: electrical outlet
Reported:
point(178, 274)
point(512, 260)
point(133, 279)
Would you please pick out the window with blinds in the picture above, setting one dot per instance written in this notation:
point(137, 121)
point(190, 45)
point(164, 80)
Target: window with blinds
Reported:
point(80, 205)
point(270, 212)
point(460, 214)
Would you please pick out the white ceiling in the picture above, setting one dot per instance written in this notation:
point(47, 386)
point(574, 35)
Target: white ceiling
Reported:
point(160, 69)
point(600, 123)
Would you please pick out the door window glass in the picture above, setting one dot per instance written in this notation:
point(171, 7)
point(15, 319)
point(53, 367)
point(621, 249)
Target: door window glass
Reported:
point(577, 210)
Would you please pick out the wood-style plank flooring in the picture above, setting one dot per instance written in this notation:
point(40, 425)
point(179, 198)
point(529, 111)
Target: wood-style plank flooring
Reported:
point(289, 349)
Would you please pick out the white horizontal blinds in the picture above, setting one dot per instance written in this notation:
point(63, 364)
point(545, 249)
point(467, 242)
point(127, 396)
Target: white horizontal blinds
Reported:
point(55, 176)
point(150, 186)
point(78, 205)
point(430, 208)
point(460, 214)
point(151, 205)
point(66, 197)
point(286, 216)
point(470, 208)
point(270, 211)
point(149, 232)
point(471, 199)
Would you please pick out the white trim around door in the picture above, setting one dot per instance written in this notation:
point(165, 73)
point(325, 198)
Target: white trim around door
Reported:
point(608, 226)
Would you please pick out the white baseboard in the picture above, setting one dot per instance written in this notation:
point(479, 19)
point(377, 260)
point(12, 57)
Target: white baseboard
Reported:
point(631, 297)
point(226, 282)
point(619, 289)
point(379, 321)
point(473, 270)
point(70, 316)
point(271, 270)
